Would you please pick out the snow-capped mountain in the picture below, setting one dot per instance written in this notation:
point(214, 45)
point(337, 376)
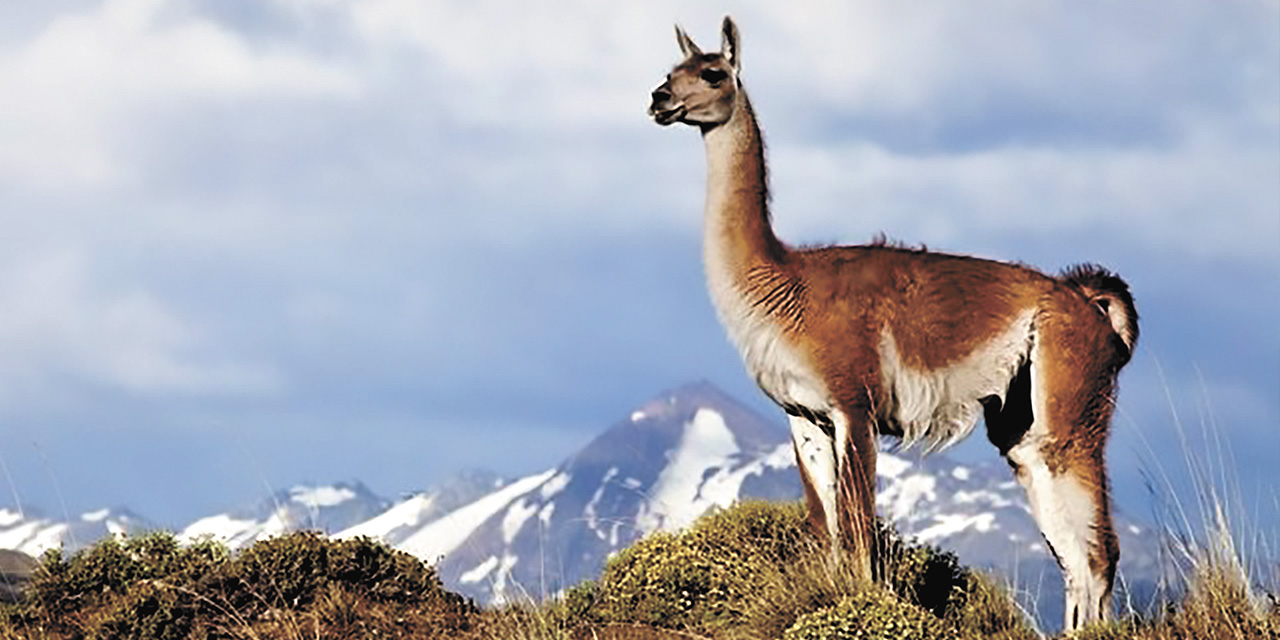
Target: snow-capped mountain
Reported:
point(33, 533)
point(660, 467)
point(326, 508)
point(693, 449)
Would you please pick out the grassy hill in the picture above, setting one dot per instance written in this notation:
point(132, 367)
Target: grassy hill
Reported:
point(751, 572)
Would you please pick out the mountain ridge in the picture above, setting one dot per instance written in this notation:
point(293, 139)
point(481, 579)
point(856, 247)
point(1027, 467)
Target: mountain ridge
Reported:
point(678, 454)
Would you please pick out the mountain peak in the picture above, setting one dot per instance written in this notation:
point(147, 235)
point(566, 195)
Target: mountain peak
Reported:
point(680, 404)
point(658, 425)
point(694, 394)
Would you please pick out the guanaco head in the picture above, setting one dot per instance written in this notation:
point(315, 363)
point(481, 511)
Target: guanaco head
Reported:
point(700, 91)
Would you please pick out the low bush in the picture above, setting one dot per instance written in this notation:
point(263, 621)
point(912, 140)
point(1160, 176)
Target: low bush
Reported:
point(153, 588)
point(872, 614)
point(699, 580)
point(751, 572)
point(98, 587)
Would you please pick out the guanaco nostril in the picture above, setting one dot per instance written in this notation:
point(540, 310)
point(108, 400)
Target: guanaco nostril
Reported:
point(660, 95)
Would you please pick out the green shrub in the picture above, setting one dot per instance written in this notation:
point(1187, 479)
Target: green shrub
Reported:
point(982, 609)
point(153, 588)
point(288, 571)
point(1112, 630)
point(578, 602)
point(700, 579)
point(77, 591)
point(293, 570)
point(753, 570)
point(873, 614)
point(145, 610)
point(59, 587)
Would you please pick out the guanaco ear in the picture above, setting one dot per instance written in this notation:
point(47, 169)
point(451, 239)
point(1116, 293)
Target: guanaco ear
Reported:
point(687, 47)
point(729, 42)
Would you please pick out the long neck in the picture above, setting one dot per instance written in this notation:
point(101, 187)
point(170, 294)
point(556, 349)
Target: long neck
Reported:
point(738, 236)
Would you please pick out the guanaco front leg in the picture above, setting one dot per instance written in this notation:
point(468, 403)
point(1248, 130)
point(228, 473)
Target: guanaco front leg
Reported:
point(837, 467)
point(856, 497)
point(816, 457)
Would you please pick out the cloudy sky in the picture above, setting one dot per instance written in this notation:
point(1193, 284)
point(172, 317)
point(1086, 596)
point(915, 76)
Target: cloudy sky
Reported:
point(247, 243)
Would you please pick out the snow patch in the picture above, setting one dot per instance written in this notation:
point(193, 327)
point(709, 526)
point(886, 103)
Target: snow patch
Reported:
point(33, 537)
point(316, 497)
point(96, 516)
point(515, 519)
point(504, 568)
point(442, 536)
point(680, 493)
point(481, 571)
point(783, 456)
point(555, 485)
point(9, 518)
point(278, 523)
point(545, 514)
point(899, 499)
point(947, 525)
point(589, 511)
point(989, 498)
point(960, 473)
point(891, 466)
point(221, 527)
point(407, 514)
point(637, 416)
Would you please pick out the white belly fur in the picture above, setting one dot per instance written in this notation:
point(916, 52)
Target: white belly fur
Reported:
point(941, 406)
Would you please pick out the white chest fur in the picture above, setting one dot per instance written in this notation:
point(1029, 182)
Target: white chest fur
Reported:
point(781, 370)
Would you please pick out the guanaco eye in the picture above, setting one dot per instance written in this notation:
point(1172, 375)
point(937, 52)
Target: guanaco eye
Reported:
point(713, 76)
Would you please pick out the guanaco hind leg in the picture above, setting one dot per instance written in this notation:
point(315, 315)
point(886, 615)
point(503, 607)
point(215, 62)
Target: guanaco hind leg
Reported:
point(1061, 468)
point(1074, 523)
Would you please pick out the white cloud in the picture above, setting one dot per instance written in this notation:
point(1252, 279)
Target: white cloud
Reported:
point(356, 150)
point(60, 326)
point(1202, 198)
point(539, 108)
point(1104, 117)
point(77, 93)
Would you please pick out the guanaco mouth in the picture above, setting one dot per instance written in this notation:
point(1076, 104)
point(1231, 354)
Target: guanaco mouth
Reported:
point(668, 116)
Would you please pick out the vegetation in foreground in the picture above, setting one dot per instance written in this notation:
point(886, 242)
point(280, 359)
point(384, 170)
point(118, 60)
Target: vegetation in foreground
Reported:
point(751, 572)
